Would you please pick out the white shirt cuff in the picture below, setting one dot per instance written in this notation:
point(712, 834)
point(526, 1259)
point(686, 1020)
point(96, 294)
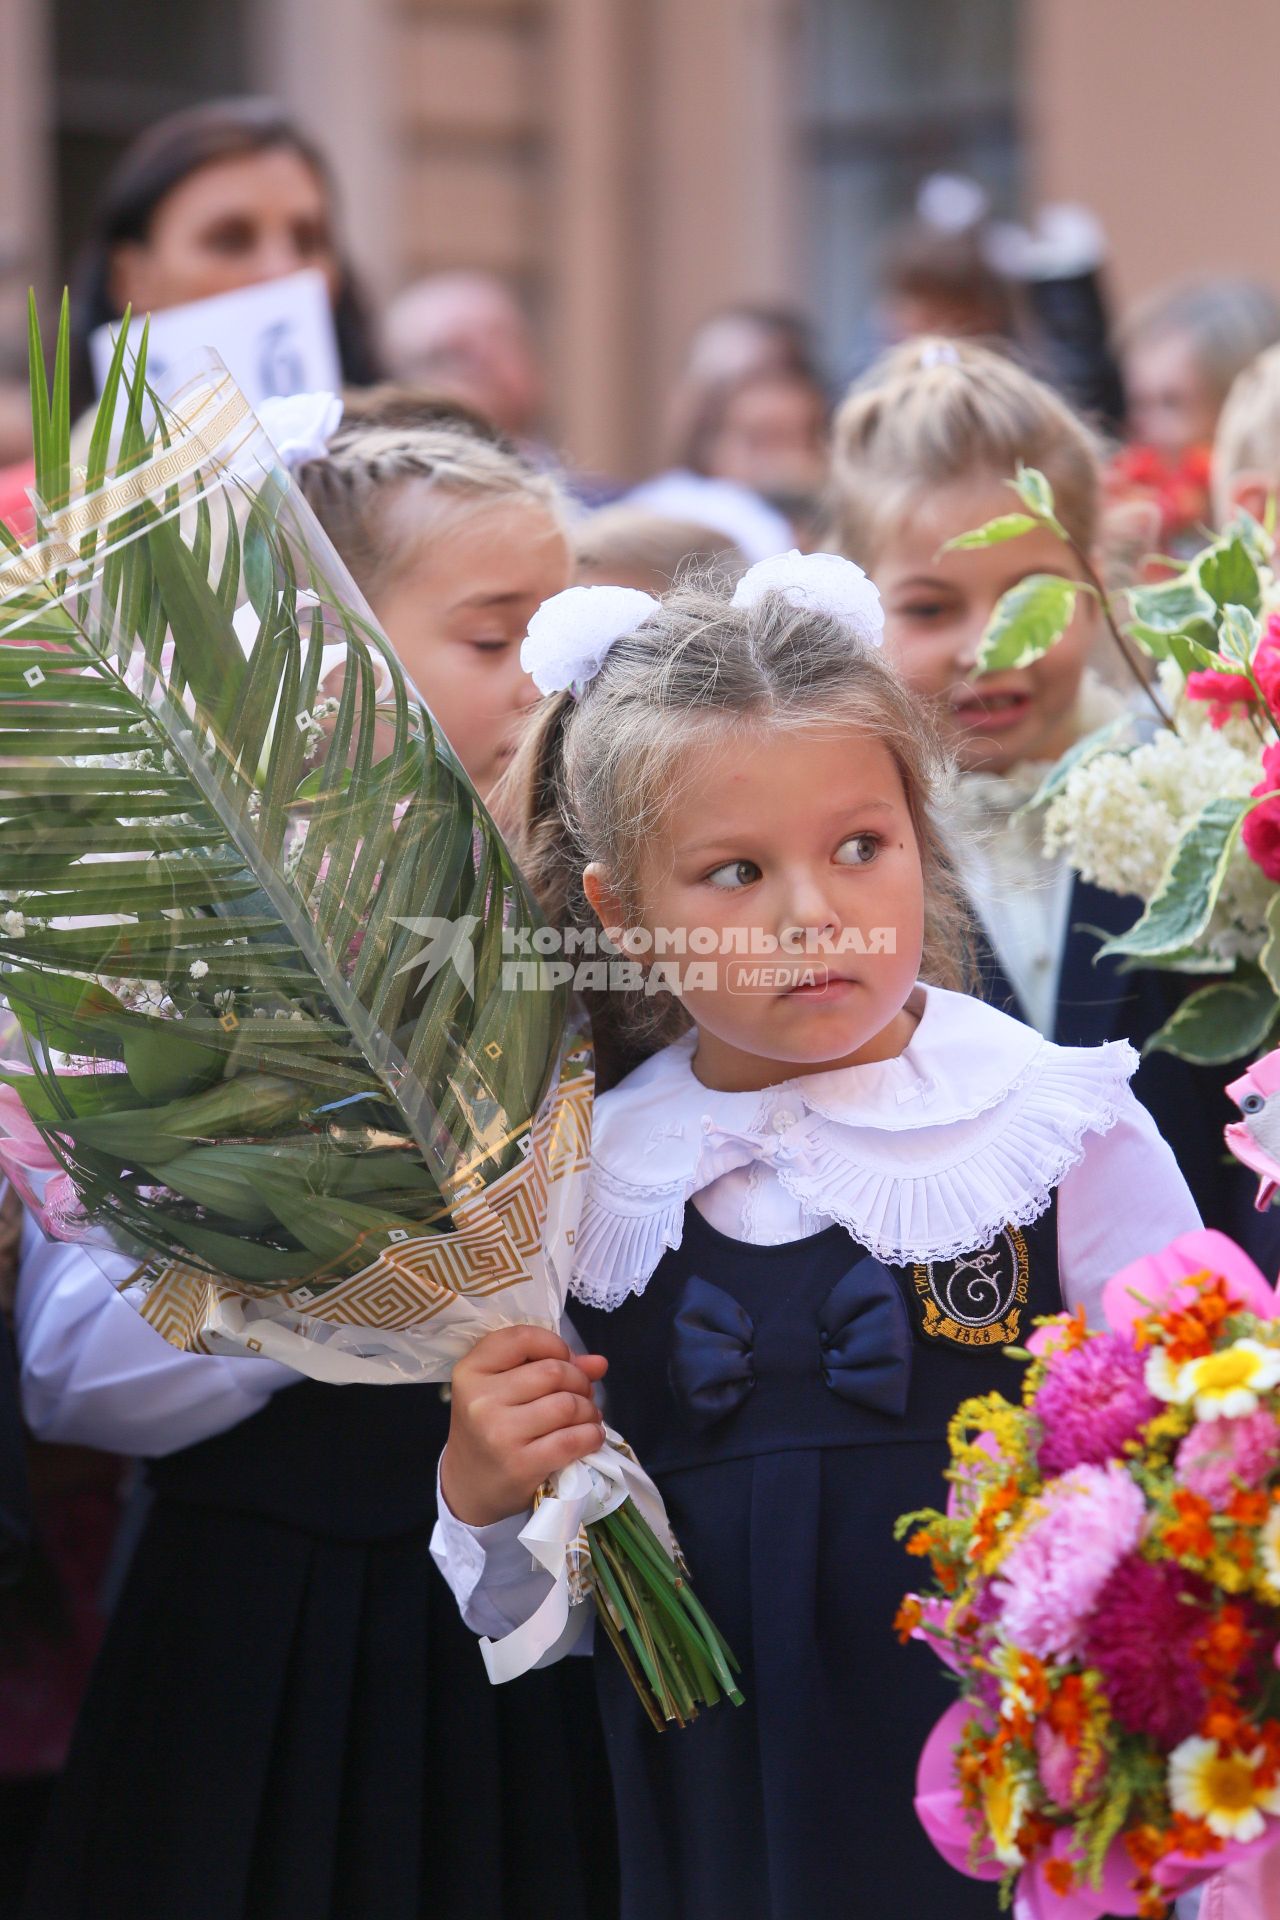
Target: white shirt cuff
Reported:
point(495, 1580)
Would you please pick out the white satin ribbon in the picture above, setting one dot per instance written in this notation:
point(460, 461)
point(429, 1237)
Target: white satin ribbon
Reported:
point(582, 1494)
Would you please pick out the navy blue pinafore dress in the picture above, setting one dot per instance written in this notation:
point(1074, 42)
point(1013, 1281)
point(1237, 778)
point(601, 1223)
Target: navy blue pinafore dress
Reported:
point(790, 1402)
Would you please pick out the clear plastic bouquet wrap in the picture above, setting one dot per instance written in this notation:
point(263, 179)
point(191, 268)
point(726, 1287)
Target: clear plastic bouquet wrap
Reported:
point(1107, 1590)
point(253, 920)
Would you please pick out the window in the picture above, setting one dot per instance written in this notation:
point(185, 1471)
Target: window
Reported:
point(117, 68)
point(896, 90)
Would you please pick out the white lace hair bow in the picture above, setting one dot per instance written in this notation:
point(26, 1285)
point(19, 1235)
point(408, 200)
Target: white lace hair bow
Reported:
point(301, 425)
point(818, 583)
point(570, 635)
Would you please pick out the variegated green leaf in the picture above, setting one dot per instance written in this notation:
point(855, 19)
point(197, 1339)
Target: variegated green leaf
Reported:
point(1027, 621)
point(1183, 903)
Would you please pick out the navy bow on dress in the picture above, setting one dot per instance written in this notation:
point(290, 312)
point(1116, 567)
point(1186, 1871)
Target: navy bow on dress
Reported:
point(863, 1345)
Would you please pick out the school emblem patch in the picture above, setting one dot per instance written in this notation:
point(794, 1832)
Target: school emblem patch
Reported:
point(977, 1299)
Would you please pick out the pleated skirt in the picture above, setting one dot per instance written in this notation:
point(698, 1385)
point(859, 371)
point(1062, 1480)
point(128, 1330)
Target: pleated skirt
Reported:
point(797, 1805)
point(284, 1726)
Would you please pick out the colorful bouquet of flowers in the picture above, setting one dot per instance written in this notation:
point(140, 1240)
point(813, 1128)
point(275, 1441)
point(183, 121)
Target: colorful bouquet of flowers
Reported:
point(1107, 1589)
point(1182, 810)
point(252, 926)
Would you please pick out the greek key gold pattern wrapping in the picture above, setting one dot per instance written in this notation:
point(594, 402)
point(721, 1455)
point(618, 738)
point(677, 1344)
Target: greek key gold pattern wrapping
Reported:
point(202, 437)
point(24, 569)
point(177, 1304)
point(201, 443)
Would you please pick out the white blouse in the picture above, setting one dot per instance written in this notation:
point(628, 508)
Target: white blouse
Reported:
point(971, 1128)
point(1021, 894)
point(93, 1372)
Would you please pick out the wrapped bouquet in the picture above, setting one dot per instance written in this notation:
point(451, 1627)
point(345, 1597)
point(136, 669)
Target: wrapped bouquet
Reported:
point(1106, 1586)
point(1182, 812)
point(261, 1037)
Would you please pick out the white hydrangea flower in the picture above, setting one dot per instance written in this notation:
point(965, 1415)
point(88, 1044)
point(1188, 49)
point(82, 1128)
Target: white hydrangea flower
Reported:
point(198, 969)
point(1118, 817)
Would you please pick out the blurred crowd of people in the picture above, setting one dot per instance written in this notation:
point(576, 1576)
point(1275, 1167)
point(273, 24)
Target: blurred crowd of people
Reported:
point(234, 194)
point(448, 396)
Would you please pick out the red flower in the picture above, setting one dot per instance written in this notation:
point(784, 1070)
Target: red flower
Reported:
point(1225, 692)
point(1143, 1638)
point(1261, 830)
point(1266, 663)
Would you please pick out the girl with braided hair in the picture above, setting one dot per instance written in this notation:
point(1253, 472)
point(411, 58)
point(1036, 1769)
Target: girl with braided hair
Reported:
point(456, 540)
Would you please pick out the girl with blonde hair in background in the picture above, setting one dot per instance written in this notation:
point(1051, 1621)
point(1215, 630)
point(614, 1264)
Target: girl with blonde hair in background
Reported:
point(924, 448)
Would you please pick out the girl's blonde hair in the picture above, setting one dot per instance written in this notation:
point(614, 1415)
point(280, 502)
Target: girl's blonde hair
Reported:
point(595, 779)
point(379, 490)
point(937, 411)
point(1248, 435)
point(651, 550)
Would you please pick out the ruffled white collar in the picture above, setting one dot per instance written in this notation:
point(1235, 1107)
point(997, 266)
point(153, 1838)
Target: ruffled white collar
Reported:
point(922, 1157)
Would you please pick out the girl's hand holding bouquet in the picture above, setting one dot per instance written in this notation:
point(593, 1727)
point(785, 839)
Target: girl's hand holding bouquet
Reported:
point(259, 1033)
point(521, 1409)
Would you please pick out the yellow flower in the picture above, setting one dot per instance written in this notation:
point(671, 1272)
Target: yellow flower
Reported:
point(1221, 1386)
point(1221, 1789)
point(1004, 1804)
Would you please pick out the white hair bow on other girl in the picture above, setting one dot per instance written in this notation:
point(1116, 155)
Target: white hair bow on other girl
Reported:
point(570, 635)
point(300, 425)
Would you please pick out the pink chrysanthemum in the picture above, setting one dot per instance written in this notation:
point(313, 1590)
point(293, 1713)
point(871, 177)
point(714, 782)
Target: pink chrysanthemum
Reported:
point(1050, 1582)
point(1058, 1764)
point(1218, 1456)
point(1092, 1399)
point(1140, 1639)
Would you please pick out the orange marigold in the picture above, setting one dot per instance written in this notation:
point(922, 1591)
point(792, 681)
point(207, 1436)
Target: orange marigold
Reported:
point(1224, 1646)
point(1190, 1534)
point(1145, 1845)
point(908, 1618)
point(1067, 1710)
point(1060, 1874)
point(1248, 1506)
point(1034, 1835)
point(1191, 1330)
point(1193, 1837)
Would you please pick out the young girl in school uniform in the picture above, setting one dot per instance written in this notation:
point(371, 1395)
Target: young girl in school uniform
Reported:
point(831, 1196)
point(924, 447)
point(288, 1720)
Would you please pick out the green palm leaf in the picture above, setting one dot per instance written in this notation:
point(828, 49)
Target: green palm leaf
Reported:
point(208, 896)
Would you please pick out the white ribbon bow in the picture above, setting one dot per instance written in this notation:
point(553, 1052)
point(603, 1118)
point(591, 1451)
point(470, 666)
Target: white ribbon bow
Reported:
point(582, 1494)
point(300, 425)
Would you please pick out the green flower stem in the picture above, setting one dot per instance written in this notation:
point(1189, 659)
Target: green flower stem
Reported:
point(603, 1572)
point(677, 1659)
point(682, 1660)
point(721, 1656)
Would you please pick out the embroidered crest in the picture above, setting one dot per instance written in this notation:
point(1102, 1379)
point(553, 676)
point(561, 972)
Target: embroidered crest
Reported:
point(977, 1299)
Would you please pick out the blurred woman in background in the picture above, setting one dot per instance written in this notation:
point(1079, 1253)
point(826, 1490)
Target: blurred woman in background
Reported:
point(220, 196)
